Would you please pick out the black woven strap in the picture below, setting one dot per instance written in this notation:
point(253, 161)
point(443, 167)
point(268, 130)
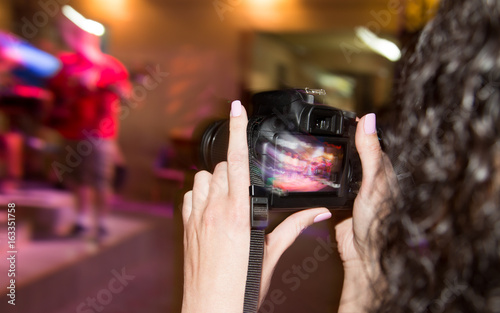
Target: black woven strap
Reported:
point(259, 210)
point(252, 287)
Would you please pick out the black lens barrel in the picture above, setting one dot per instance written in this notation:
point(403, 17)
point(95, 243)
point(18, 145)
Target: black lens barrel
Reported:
point(214, 143)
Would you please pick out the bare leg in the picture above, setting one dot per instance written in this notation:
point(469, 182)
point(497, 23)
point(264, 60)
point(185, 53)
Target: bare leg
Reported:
point(103, 196)
point(83, 195)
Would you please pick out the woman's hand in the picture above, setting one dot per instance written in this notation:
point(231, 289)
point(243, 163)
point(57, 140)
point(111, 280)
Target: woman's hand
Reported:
point(378, 188)
point(217, 230)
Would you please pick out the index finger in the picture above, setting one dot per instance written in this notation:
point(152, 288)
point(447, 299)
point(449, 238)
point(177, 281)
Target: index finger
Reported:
point(237, 153)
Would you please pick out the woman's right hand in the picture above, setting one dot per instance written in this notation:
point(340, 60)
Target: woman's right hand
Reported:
point(378, 187)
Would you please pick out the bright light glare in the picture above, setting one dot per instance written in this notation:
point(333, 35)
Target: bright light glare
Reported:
point(341, 84)
point(382, 46)
point(87, 25)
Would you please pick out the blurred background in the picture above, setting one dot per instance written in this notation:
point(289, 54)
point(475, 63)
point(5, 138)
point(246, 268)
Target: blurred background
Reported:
point(186, 61)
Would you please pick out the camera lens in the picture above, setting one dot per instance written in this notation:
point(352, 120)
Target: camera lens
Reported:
point(214, 143)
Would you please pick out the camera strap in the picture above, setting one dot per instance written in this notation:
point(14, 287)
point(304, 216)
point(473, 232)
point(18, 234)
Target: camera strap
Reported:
point(259, 211)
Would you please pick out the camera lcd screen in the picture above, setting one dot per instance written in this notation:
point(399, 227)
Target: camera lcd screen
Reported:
point(299, 163)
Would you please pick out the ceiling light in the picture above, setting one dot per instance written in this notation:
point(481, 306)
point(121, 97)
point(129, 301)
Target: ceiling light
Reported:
point(87, 25)
point(379, 45)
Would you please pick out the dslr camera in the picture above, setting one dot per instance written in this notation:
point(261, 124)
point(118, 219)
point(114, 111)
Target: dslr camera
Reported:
point(301, 153)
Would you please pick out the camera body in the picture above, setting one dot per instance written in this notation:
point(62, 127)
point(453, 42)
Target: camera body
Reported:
point(301, 153)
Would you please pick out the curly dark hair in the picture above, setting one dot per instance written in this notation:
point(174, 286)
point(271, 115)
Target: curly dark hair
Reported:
point(440, 244)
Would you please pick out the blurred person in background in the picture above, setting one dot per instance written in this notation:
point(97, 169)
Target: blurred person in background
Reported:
point(426, 244)
point(24, 100)
point(87, 93)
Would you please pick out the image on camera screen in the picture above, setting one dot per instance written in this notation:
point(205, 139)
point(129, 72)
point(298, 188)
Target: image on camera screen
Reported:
point(305, 164)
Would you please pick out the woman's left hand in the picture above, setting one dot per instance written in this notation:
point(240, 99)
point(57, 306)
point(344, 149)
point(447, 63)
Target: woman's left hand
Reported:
point(217, 230)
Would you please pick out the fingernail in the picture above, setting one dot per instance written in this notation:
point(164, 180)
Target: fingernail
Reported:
point(370, 124)
point(236, 108)
point(322, 217)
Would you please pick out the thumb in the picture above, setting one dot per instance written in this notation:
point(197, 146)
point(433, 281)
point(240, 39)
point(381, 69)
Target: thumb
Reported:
point(369, 149)
point(283, 236)
point(287, 231)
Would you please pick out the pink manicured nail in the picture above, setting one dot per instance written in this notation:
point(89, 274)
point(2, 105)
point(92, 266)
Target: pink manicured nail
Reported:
point(322, 217)
point(370, 124)
point(236, 108)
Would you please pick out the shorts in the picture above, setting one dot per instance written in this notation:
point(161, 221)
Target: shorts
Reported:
point(91, 162)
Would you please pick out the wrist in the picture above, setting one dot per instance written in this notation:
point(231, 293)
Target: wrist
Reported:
point(361, 271)
point(202, 298)
point(356, 291)
point(356, 273)
point(353, 264)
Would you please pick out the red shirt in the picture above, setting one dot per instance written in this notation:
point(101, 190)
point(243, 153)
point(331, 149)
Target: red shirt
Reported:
point(86, 94)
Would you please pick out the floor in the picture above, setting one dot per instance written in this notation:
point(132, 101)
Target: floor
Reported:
point(59, 275)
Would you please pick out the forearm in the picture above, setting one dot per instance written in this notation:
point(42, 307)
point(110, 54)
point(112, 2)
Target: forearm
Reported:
point(356, 292)
point(208, 302)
